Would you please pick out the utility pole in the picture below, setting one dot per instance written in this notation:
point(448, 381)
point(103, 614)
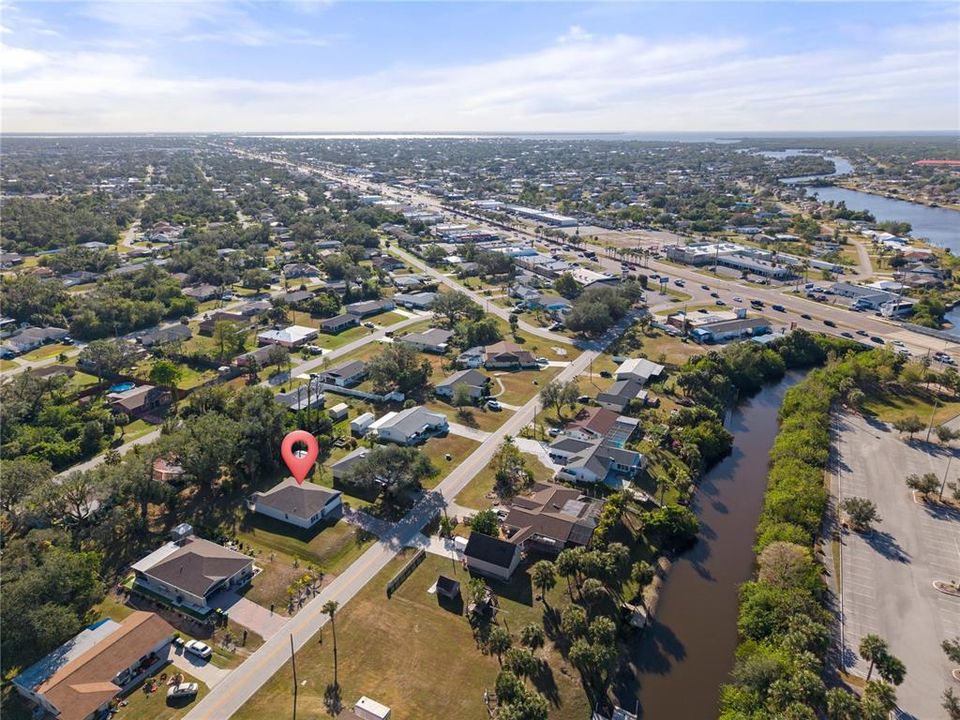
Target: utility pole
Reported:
point(293, 663)
point(945, 472)
point(932, 414)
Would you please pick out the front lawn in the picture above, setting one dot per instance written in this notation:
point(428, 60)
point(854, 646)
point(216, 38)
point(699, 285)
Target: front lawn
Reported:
point(479, 417)
point(417, 657)
point(142, 705)
point(519, 386)
point(476, 494)
point(6, 364)
point(46, 351)
point(437, 448)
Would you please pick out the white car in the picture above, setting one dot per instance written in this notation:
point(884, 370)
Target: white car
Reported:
point(494, 405)
point(198, 648)
point(542, 361)
point(183, 690)
point(553, 432)
point(737, 298)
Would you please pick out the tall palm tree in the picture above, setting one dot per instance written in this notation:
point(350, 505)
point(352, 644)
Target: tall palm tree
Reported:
point(872, 648)
point(330, 608)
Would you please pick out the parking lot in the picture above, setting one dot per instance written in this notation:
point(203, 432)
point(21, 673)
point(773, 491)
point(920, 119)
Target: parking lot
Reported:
point(888, 573)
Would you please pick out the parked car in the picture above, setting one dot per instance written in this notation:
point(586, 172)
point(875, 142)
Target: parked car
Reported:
point(556, 326)
point(737, 298)
point(862, 332)
point(878, 340)
point(314, 349)
point(198, 648)
point(585, 399)
point(494, 405)
point(605, 374)
point(369, 325)
point(183, 690)
point(542, 361)
point(553, 432)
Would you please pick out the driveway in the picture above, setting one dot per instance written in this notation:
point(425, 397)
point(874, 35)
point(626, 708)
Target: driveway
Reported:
point(539, 449)
point(468, 432)
point(204, 670)
point(364, 521)
point(252, 616)
point(887, 574)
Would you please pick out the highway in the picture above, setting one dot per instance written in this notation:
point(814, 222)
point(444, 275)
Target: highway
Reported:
point(239, 686)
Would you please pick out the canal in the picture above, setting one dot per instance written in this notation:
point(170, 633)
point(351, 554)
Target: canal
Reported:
point(683, 658)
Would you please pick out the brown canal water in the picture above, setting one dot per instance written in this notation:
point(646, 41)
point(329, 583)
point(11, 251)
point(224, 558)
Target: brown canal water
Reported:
point(686, 654)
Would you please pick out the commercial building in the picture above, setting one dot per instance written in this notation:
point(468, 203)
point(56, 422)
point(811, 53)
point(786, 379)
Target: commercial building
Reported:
point(541, 216)
point(730, 330)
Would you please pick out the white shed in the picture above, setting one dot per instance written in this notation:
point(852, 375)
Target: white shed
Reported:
point(339, 411)
point(360, 424)
point(370, 709)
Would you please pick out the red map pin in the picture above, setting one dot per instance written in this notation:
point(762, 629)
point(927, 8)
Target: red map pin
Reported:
point(299, 464)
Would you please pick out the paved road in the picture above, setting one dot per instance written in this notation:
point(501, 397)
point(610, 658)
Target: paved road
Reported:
point(242, 683)
point(887, 574)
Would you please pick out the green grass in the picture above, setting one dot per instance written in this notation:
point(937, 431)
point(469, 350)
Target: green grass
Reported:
point(137, 429)
point(437, 448)
point(332, 342)
point(41, 353)
point(892, 407)
point(480, 418)
point(519, 387)
point(475, 494)
point(330, 546)
point(6, 364)
point(417, 657)
point(388, 318)
point(154, 706)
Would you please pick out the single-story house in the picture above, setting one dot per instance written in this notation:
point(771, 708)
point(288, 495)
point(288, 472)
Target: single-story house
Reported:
point(80, 679)
point(433, 340)
point(296, 297)
point(370, 307)
point(505, 354)
point(415, 301)
point(201, 293)
point(551, 303)
point(597, 423)
point(472, 357)
point(339, 323)
point(595, 460)
point(490, 556)
point(208, 325)
point(189, 571)
point(257, 307)
point(410, 426)
point(30, 338)
point(620, 394)
point(290, 337)
point(342, 467)
point(297, 270)
point(303, 505)
point(346, 374)
point(78, 277)
point(474, 380)
point(309, 394)
point(139, 400)
point(552, 518)
point(8, 260)
point(638, 369)
point(259, 357)
point(360, 424)
point(167, 469)
point(164, 336)
point(411, 282)
point(387, 263)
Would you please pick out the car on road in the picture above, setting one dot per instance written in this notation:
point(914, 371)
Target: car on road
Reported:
point(846, 335)
point(829, 323)
point(719, 303)
point(899, 343)
point(757, 303)
point(714, 294)
point(878, 340)
point(182, 690)
point(806, 316)
point(864, 333)
point(556, 326)
point(705, 287)
point(778, 308)
point(679, 283)
point(494, 405)
point(195, 647)
point(737, 298)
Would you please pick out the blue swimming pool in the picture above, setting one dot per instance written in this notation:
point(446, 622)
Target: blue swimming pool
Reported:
point(122, 387)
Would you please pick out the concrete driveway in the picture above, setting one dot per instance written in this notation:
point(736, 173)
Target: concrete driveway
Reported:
point(204, 670)
point(539, 449)
point(887, 574)
point(468, 432)
point(252, 616)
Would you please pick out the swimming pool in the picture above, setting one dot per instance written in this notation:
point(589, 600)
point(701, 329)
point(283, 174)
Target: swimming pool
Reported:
point(122, 387)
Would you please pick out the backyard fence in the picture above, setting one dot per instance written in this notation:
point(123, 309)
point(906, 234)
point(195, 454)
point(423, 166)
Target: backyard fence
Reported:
point(405, 572)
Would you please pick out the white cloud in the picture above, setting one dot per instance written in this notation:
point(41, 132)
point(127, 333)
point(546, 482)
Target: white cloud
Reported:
point(581, 82)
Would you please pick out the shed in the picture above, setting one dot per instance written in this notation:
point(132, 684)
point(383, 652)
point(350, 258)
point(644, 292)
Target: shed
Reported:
point(447, 587)
point(339, 411)
point(370, 709)
point(360, 424)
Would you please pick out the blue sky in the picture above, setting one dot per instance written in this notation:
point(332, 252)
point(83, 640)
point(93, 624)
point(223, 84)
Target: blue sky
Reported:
point(476, 66)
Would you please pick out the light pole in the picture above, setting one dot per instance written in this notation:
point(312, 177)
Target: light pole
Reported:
point(945, 473)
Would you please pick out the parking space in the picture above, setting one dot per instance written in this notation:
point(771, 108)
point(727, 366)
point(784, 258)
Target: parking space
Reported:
point(888, 573)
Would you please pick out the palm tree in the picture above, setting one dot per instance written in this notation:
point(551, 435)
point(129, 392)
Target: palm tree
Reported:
point(330, 608)
point(872, 648)
point(544, 578)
